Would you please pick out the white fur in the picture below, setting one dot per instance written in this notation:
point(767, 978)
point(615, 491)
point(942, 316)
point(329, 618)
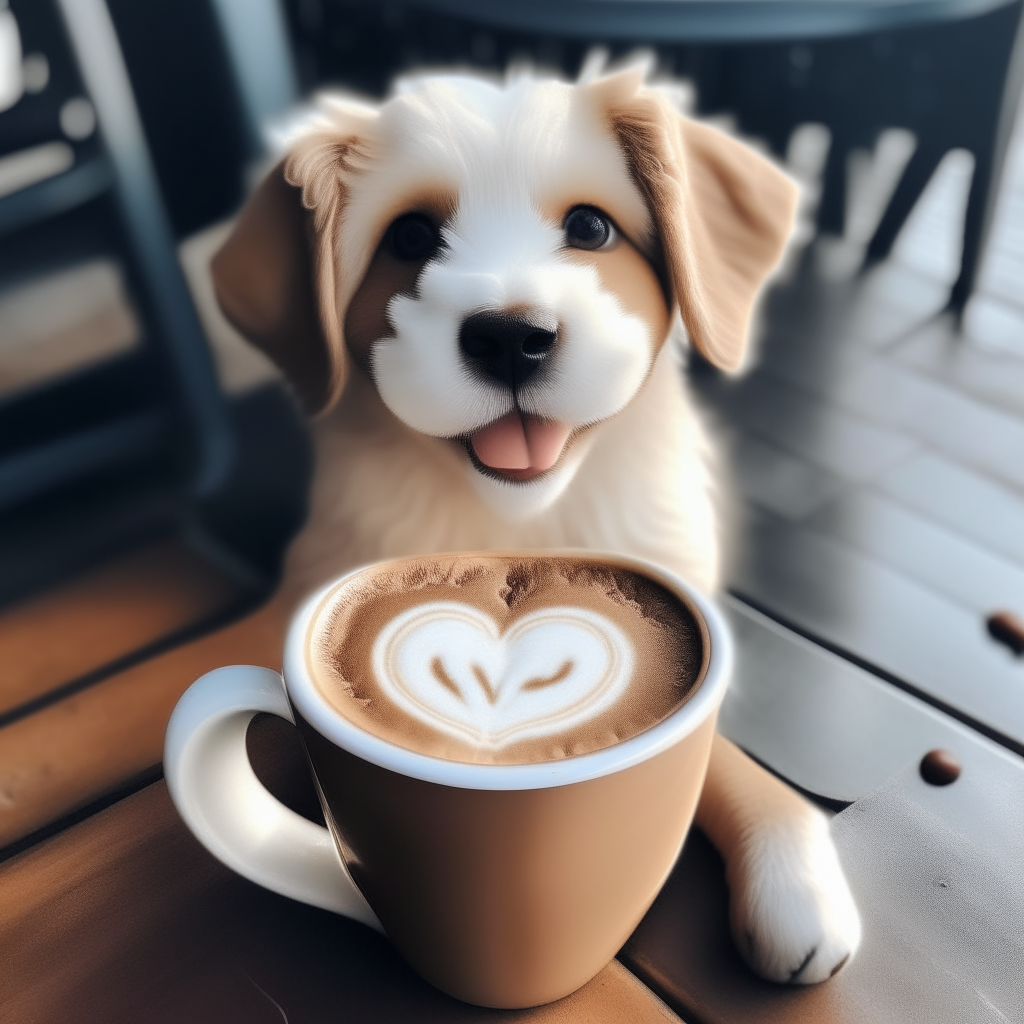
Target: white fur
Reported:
point(792, 915)
point(393, 491)
point(601, 359)
point(637, 480)
point(504, 152)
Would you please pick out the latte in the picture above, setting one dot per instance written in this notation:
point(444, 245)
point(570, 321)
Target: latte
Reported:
point(504, 659)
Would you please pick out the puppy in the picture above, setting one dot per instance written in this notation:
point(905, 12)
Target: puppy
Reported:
point(487, 292)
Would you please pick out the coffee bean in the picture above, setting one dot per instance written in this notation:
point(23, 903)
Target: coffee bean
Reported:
point(1007, 629)
point(939, 767)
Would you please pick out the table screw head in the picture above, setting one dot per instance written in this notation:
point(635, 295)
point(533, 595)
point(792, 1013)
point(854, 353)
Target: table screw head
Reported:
point(939, 767)
point(1007, 629)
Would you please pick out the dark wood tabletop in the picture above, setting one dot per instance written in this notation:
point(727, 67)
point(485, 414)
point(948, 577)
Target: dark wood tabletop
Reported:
point(125, 917)
point(111, 911)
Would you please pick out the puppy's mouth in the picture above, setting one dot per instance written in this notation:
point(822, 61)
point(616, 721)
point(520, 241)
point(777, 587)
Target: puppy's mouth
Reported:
point(518, 446)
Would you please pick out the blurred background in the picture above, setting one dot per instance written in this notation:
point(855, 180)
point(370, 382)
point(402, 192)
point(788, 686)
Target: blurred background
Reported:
point(152, 460)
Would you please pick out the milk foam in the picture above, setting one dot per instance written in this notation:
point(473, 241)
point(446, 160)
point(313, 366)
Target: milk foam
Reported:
point(494, 658)
point(449, 665)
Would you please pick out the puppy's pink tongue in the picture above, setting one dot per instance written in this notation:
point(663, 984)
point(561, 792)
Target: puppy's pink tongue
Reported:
point(520, 442)
point(502, 444)
point(545, 439)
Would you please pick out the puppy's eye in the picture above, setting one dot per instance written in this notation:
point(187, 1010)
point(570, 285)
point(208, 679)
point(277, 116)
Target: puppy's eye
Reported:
point(587, 228)
point(414, 237)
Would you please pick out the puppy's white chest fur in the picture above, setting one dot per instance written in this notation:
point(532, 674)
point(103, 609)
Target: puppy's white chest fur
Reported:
point(383, 490)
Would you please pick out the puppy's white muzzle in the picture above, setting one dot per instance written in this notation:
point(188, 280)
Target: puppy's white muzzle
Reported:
point(598, 361)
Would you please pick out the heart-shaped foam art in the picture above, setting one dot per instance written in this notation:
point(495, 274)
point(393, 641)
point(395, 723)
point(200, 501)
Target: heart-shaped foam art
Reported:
point(450, 666)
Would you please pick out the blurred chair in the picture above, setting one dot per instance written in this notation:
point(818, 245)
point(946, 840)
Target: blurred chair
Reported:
point(112, 424)
point(954, 83)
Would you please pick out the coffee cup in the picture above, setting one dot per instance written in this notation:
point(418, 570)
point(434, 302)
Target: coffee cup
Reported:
point(503, 884)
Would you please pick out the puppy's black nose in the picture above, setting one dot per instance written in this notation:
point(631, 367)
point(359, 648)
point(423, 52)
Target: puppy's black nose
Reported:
point(506, 347)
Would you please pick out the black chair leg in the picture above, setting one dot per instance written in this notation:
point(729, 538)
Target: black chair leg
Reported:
point(977, 220)
point(911, 184)
point(832, 208)
point(988, 168)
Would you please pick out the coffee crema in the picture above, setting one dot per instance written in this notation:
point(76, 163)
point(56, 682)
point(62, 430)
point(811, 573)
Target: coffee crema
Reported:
point(504, 659)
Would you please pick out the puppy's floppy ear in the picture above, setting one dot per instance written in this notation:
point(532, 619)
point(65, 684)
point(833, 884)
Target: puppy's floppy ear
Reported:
point(722, 211)
point(276, 277)
point(263, 278)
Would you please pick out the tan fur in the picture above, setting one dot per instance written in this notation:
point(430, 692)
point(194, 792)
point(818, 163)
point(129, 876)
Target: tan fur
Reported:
point(318, 165)
point(724, 213)
point(625, 271)
point(264, 281)
point(366, 316)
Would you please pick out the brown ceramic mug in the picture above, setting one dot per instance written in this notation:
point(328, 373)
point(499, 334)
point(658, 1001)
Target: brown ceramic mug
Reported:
point(504, 885)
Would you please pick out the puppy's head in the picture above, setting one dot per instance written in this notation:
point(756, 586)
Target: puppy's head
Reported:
point(504, 262)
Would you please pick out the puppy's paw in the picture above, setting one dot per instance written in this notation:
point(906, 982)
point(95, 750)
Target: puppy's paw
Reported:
point(793, 917)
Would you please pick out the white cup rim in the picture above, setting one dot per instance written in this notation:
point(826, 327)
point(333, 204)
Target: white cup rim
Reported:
point(698, 707)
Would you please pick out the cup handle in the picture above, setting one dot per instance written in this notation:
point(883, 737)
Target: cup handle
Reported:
point(229, 810)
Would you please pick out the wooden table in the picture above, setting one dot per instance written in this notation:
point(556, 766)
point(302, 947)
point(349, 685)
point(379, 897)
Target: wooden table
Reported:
point(109, 909)
point(125, 917)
